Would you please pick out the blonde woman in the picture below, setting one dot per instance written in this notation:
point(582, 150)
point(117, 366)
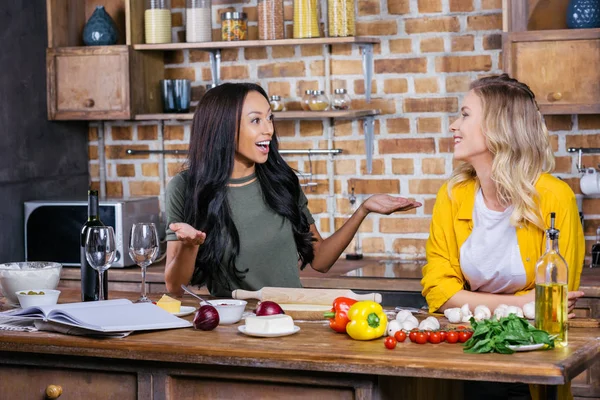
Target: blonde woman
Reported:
point(487, 230)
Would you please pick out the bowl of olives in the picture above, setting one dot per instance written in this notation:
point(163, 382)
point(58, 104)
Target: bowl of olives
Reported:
point(37, 297)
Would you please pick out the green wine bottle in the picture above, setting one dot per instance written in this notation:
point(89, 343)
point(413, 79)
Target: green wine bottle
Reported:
point(90, 284)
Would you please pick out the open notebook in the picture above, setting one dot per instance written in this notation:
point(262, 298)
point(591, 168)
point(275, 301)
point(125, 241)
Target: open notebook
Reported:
point(119, 315)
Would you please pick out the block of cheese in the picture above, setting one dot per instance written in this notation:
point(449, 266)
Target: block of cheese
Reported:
point(279, 323)
point(169, 304)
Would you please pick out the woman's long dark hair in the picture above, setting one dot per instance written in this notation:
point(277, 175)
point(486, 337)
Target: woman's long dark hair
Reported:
point(215, 127)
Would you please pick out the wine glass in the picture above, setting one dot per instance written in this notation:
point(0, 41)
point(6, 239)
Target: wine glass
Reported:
point(100, 251)
point(143, 249)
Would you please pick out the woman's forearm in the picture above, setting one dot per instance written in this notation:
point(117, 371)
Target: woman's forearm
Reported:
point(181, 260)
point(487, 299)
point(329, 250)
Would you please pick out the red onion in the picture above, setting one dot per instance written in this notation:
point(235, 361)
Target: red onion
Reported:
point(207, 318)
point(268, 308)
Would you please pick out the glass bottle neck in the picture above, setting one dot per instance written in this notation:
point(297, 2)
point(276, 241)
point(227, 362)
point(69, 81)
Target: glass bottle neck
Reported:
point(93, 208)
point(552, 245)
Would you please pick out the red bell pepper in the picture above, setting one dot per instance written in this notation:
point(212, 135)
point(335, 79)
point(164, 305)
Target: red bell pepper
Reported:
point(338, 316)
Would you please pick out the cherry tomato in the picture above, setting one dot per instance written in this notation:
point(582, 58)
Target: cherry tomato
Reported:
point(413, 335)
point(435, 337)
point(452, 337)
point(428, 333)
point(443, 335)
point(400, 336)
point(390, 342)
point(463, 336)
point(421, 338)
point(461, 328)
point(469, 333)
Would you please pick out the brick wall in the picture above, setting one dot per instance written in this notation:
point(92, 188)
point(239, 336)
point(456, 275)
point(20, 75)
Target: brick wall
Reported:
point(430, 50)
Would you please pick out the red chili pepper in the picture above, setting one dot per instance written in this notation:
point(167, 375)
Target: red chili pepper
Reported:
point(338, 316)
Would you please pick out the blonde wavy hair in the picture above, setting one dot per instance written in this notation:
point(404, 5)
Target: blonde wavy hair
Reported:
point(519, 142)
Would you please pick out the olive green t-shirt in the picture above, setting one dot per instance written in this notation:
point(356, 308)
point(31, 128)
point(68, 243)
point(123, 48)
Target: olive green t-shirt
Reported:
point(267, 246)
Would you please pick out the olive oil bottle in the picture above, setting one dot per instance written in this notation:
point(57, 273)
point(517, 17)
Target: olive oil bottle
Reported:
point(551, 288)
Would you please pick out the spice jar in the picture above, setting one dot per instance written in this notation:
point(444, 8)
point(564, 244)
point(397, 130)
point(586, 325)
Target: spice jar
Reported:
point(341, 18)
point(318, 101)
point(306, 19)
point(234, 26)
point(270, 20)
point(305, 101)
point(340, 100)
point(157, 21)
point(276, 103)
point(198, 21)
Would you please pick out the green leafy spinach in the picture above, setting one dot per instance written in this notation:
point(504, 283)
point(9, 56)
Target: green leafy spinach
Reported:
point(492, 335)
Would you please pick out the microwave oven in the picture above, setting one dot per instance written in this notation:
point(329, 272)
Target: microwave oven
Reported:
point(53, 227)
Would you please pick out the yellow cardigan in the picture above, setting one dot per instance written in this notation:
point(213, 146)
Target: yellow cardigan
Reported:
point(452, 224)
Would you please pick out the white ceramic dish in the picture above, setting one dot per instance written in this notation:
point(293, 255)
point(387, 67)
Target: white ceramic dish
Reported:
point(230, 310)
point(242, 328)
point(184, 310)
point(50, 297)
point(18, 276)
point(526, 347)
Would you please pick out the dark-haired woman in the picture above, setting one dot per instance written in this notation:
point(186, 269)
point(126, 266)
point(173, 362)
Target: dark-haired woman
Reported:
point(237, 216)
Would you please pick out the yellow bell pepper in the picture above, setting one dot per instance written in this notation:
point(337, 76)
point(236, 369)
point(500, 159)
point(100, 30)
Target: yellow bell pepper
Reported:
point(367, 321)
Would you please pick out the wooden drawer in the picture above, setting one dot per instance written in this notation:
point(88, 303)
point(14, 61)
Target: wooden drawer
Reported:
point(550, 62)
point(30, 383)
point(88, 83)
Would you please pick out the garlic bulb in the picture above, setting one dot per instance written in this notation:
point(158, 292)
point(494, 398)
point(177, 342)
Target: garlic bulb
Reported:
point(427, 325)
point(500, 311)
point(434, 321)
point(514, 310)
point(454, 315)
point(402, 315)
point(529, 310)
point(466, 312)
point(409, 325)
point(393, 326)
point(482, 312)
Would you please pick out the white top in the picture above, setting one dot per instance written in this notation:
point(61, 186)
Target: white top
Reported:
point(490, 258)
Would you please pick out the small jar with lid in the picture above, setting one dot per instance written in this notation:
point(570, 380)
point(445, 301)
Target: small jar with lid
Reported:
point(157, 21)
point(234, 26)
point(305, 101)
point(198, 21)
point(341, 18)
point(340, 100)
point(270, 20)
point(276, 103)
point(319, 101)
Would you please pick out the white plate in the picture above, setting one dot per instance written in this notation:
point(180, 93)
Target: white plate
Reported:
point(242, 328)
point(526, 347)
point(184, 310)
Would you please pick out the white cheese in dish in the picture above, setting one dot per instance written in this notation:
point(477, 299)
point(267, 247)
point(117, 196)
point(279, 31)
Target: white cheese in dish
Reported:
point(279, 323)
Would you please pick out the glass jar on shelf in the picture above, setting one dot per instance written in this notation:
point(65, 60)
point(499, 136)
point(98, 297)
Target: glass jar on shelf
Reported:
point(341, 18)
point(234, 26)
point(306, 19)
point(305, 101)
point(319, 101)
point(198, 21)
point(270, 20)
point(157, 21)
point(340, 100)
point(276, 103)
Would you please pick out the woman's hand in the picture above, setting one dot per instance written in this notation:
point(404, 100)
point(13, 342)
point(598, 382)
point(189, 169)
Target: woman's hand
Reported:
point(386, 204)
point(572, 298)
point(187, 234)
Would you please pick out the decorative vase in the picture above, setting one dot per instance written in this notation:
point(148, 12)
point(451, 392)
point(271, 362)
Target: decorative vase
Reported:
point(583, 14)
point(100, 29)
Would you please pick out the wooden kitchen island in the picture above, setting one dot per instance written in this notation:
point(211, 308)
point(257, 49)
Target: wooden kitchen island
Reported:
point(315, 363)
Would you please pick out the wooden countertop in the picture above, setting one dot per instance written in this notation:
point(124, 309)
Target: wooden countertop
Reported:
point(316, 348)
point(377, 275)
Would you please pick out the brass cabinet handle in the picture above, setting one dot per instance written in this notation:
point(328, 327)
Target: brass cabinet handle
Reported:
point(53, 392)
point(554, 96)
point(89, 103)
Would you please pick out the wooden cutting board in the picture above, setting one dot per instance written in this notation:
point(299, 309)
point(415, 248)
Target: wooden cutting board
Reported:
point(302, 296)
point(306, 312)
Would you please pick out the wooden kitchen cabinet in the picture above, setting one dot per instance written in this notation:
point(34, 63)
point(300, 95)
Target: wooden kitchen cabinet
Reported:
point(552, 60)
point(102, 82)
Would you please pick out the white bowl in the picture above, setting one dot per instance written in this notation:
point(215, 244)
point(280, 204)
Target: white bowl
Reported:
point(19, 276)
point(230, 311)
point(50, 297)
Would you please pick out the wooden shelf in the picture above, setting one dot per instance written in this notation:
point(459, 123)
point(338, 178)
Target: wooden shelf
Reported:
point(257, 43)
point(555, 34)
point(306, 115)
